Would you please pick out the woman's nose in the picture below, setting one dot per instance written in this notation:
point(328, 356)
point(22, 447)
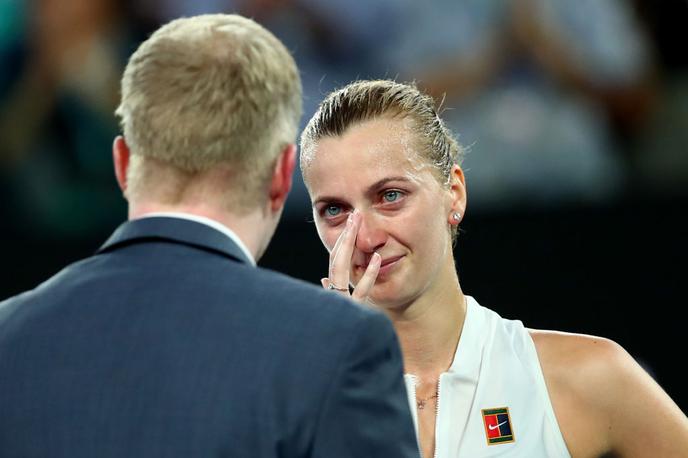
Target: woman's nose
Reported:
point(371, 233)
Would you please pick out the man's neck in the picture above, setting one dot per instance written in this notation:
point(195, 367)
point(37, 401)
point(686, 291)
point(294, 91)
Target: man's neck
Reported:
point(251, 228)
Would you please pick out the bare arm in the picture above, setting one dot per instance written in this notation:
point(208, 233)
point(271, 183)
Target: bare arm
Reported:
point(605, 402)
point(644, 420)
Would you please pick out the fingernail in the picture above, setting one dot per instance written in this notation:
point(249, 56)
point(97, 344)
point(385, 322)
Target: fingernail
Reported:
point(350, 219)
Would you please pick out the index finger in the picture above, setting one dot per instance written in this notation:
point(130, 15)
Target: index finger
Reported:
point(340, 257)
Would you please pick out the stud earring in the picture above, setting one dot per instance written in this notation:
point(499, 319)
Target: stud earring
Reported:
point(456, 217)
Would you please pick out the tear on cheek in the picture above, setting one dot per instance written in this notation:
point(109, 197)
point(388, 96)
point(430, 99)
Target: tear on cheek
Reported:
point(322, 239)
point(327, 241)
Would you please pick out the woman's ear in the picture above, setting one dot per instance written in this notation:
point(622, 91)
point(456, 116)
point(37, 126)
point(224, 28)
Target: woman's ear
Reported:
point(457, 192)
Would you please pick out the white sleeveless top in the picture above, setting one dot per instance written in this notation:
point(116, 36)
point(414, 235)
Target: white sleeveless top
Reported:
point(493, 400)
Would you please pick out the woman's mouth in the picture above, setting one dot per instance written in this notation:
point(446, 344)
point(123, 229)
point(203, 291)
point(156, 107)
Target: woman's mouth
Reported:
point(386, 266)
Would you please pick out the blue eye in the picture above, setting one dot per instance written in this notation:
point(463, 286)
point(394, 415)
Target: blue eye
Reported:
point(391, 196)
point(333, 210)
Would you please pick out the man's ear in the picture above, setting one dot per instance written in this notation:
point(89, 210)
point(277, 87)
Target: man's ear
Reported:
point(120, 158)
point(280, 184)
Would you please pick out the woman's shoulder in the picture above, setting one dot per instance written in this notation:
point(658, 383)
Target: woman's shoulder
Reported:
point(572, 356)
point(603, 400)
point(593, 369)
point(582, 374)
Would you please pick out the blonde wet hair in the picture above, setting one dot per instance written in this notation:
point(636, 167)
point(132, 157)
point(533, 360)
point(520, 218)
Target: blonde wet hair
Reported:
point(207, 91)
point(363, 101)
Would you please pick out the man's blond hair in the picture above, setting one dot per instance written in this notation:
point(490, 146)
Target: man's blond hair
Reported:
point(206, 91)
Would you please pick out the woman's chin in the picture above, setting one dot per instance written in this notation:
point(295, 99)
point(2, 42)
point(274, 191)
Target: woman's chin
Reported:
point(385, 299)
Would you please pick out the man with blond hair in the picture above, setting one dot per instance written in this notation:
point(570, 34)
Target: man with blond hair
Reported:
point(169, 341)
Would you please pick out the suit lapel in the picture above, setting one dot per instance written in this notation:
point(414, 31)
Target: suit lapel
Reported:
point(174, 230)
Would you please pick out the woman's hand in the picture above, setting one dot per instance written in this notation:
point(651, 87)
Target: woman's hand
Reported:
point(340, 263)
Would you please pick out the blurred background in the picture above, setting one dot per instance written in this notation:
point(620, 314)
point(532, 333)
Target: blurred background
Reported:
point(574, 115)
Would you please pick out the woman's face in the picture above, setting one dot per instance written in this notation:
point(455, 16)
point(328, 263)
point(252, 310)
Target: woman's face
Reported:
point(405, 212)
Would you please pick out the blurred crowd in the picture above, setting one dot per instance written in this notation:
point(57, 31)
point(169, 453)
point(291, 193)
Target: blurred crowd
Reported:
point(557, 102)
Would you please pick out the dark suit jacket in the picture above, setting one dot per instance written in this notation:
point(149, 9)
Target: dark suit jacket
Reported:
point(168, 343)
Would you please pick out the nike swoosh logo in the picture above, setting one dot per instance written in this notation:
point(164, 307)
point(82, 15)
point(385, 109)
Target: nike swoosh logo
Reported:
point(492, 428)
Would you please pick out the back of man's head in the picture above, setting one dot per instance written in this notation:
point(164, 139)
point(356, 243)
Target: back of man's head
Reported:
point(206, 92)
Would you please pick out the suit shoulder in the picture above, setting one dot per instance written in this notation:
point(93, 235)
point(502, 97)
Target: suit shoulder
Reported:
point(297, 293)
point(25, 297)
point(10, 305)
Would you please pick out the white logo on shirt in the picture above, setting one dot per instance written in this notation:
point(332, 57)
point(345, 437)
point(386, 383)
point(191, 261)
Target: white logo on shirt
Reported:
point(492, 428)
